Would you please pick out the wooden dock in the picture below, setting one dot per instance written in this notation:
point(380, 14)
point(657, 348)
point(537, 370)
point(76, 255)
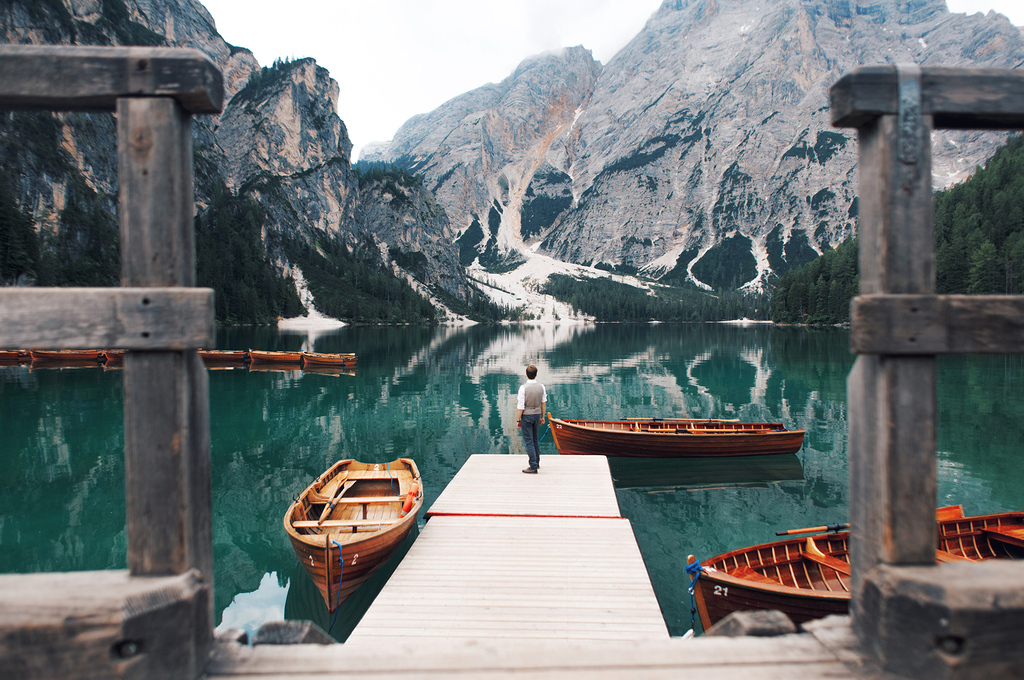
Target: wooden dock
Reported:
point(155, 620)
point(520, 558)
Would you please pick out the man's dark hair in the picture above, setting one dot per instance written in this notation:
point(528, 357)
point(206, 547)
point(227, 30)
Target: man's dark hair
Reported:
point(531, 371)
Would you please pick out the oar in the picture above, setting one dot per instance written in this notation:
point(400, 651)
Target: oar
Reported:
point(808, 530)
point(338, 493)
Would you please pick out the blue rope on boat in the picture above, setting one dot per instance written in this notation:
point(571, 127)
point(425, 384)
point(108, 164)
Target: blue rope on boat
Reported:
point(693, 570)
point(387, 466)
point(341, 574)
point(544, 435)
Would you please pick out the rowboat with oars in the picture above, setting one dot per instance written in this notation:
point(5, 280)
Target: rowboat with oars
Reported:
point(348, 522)
point(321, 359)
point(273, 357)
point(809, 577)
point(672, 437)
point(71, 356)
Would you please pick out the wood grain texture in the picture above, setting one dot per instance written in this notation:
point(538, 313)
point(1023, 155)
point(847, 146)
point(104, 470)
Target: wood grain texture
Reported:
point(61, 78)
point(155, 189)
point(569, 486)
point(782, 658)
point(517, 578)
point(101, 624)
point(122, 318)
point(937, 324)
point(957, 98)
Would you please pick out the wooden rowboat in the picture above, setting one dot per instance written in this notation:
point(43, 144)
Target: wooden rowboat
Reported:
point(672, 438)
point(113, 357)
point(15, 356)
point(809, 578)
point(321, 359)
point(66, 355)
point(224, 357)
point(348, 522)
point(279, 358)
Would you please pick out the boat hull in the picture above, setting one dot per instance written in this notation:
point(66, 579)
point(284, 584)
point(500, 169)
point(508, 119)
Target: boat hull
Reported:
point(340, 559)
point(76, 356)
point(778, 576)
point(224, 357)
point(803, 591)
point(317, 359)
point(675, 439)
point(277, 358)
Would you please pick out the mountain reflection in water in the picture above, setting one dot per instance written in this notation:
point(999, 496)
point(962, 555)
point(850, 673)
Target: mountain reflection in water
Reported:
point(439, 395)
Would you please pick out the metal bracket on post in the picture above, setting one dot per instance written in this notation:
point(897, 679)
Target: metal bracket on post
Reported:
point(908, 77)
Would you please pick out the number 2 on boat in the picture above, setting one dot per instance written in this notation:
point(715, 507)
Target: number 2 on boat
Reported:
point(724, 592)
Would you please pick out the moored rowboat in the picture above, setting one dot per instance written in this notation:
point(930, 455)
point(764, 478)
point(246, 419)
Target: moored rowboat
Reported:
point(268, 357)
point(672, 438)
point(233, 357)
point(348, 522)
point(66, 355)
point(321, 359)
point(808, 578)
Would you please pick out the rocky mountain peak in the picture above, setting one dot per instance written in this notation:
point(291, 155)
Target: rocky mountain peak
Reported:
point(703, 151)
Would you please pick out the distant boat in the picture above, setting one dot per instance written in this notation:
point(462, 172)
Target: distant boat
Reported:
point(267, 357)
point(113, 357)
point(321, 359)
point(15, 355)
point(808, 578)
point(348, 522)
point(672, 438)
point(66, 355)
point(224, 357)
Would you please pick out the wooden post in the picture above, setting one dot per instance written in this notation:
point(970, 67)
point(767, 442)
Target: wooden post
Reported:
point(892, 428)
point(156, 621)
point(166, 413)
point(914, 620)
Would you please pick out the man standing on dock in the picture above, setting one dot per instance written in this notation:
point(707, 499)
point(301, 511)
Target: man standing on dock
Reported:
point(532, 406)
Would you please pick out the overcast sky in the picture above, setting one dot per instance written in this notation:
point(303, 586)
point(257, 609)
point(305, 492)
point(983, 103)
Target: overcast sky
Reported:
point(396, 58)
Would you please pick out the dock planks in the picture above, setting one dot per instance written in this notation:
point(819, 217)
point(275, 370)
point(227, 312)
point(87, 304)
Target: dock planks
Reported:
point(566, 486)
point(515, 557)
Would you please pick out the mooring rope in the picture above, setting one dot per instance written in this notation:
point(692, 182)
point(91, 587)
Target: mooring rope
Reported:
point(341, 574)
point(693, 570)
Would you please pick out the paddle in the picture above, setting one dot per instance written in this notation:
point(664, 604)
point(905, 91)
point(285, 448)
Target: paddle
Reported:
point(808, 530)
point(339, 491)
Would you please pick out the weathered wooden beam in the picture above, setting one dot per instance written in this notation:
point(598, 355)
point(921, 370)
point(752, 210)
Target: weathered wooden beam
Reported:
point(937, 324)
point(956, 98)
point(155, 192)
point(892, 419)
point(951, 621)
point(59, 78)
point(166, 411)
point(102, 624)
point(714, 658)
point(106, 318)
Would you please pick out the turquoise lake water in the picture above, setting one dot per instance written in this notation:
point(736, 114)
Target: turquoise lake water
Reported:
point(439, 395)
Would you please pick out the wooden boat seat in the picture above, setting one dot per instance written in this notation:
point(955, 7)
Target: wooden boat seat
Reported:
point(1013, 535)
point(336, 523)
point(359, 500)
point(949, 512)
point(814, 554)
point(946, 556)
point(747, 574)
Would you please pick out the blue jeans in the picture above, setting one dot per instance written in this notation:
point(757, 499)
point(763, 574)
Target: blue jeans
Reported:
point(531, 428)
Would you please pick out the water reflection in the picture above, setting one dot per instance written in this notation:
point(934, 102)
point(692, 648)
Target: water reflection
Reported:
point(439, 395)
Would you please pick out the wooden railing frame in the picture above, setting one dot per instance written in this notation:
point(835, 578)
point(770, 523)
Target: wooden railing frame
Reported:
point(898, 326)
point(156, 620)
